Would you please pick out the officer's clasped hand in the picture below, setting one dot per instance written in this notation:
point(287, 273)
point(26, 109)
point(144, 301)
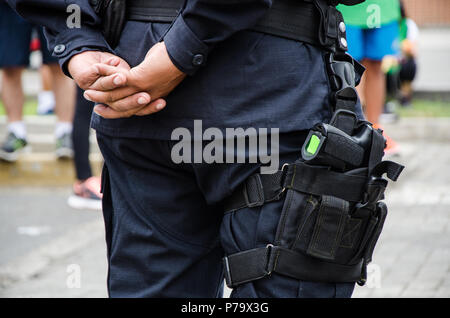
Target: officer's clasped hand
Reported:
point(121, 91)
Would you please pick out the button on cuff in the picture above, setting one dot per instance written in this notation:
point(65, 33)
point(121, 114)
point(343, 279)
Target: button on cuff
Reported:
point(187, 52)
point(59, 49)
point(198, 60)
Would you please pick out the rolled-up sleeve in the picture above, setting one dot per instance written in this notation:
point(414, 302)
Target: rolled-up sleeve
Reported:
point(64, 39)
point(204, 23)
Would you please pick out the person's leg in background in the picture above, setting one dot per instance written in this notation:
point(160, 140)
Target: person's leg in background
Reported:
point(407, 74)
point(86, 189)
point(369, 46)
point(64, 92)
point(15, 35)
point(373, 89)
point(46, 98)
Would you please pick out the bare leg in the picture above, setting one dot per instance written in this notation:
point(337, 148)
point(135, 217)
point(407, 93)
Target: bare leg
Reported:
point(374, 90)
point(360, 89)
point(46, 75)
point(406, 90)
point(64, 90)
point(46, 98)
point(12, 93)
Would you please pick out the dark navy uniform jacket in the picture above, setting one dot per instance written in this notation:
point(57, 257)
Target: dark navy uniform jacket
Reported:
point(238, 78)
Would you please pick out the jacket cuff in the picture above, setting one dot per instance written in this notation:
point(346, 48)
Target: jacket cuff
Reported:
point(74, 41)
point(186, 51)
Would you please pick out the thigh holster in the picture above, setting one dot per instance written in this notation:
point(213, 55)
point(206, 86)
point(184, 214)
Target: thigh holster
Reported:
point(333, 212)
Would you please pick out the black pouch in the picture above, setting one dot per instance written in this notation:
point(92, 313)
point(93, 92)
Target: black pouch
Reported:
point(331, 230)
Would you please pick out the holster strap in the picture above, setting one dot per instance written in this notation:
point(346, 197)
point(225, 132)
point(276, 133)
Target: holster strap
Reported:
point(255, 191)
point(260, 262)
point(259, 189)
point(317, 180)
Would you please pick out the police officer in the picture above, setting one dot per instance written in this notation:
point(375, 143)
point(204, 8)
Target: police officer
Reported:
point(165, 228)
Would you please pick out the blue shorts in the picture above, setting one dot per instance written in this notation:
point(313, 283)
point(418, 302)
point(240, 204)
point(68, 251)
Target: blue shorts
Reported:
point(15, 37)
point(373, 44)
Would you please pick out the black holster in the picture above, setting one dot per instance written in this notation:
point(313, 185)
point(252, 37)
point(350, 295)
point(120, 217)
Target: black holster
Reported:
point(333, 212)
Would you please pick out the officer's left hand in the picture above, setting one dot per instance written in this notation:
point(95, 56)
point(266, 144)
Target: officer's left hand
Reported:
point(156, 75)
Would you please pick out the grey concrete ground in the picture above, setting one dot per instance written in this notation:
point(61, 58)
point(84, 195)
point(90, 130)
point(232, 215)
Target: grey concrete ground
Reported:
point(49, 250)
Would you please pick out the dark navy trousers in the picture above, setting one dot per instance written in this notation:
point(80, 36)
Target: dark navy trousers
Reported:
point(165, 228)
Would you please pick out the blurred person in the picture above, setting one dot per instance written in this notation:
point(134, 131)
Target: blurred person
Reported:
point(86, 189)
point(15, 38)
point(400, 69)
point(409, 34)
point(46, 98)
point(372, 33)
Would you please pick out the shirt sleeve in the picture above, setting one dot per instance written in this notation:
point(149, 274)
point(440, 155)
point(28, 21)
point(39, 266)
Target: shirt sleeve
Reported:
point(65, 37)
point(204, 23)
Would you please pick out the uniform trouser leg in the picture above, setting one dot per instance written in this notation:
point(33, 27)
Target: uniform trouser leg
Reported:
point(161, 235)
point(166, 233)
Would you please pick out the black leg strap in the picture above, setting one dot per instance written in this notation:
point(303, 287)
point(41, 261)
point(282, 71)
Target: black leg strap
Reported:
point(315, 180)
point(260, 262)
point(255, 191)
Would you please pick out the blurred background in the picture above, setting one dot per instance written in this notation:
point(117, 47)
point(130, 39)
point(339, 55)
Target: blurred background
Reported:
point(51, 228)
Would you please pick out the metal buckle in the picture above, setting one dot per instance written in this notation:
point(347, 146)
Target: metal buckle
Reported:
point(226, 266)
point(284, 177)
point(270, 264)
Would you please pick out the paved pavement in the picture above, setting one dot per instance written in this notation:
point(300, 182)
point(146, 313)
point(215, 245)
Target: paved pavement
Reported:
point(49, 250)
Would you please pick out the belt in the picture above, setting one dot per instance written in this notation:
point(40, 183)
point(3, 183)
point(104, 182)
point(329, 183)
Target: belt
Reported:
point(292, 19)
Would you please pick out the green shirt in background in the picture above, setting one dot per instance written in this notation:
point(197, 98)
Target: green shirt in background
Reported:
point(371, 13)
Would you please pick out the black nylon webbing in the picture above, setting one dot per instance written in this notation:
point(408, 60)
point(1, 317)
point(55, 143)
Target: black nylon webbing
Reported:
point(257, 263)
point(256, 190)
point(263, 188)
point(322, 181)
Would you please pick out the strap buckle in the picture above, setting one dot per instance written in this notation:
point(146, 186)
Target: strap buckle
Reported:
point(262, 255)
point(227, 272)
point(341, 70)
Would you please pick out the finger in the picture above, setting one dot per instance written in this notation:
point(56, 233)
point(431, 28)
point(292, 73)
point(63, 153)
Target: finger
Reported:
point(109, 113)
point(87, 77)
point(106, 70)
point(153, 107)
point(132, 102)
point(113, 61)
point(108, 97)
point(106, 83)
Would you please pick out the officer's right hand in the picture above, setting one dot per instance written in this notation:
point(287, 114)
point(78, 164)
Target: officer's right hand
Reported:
point(83, 70)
